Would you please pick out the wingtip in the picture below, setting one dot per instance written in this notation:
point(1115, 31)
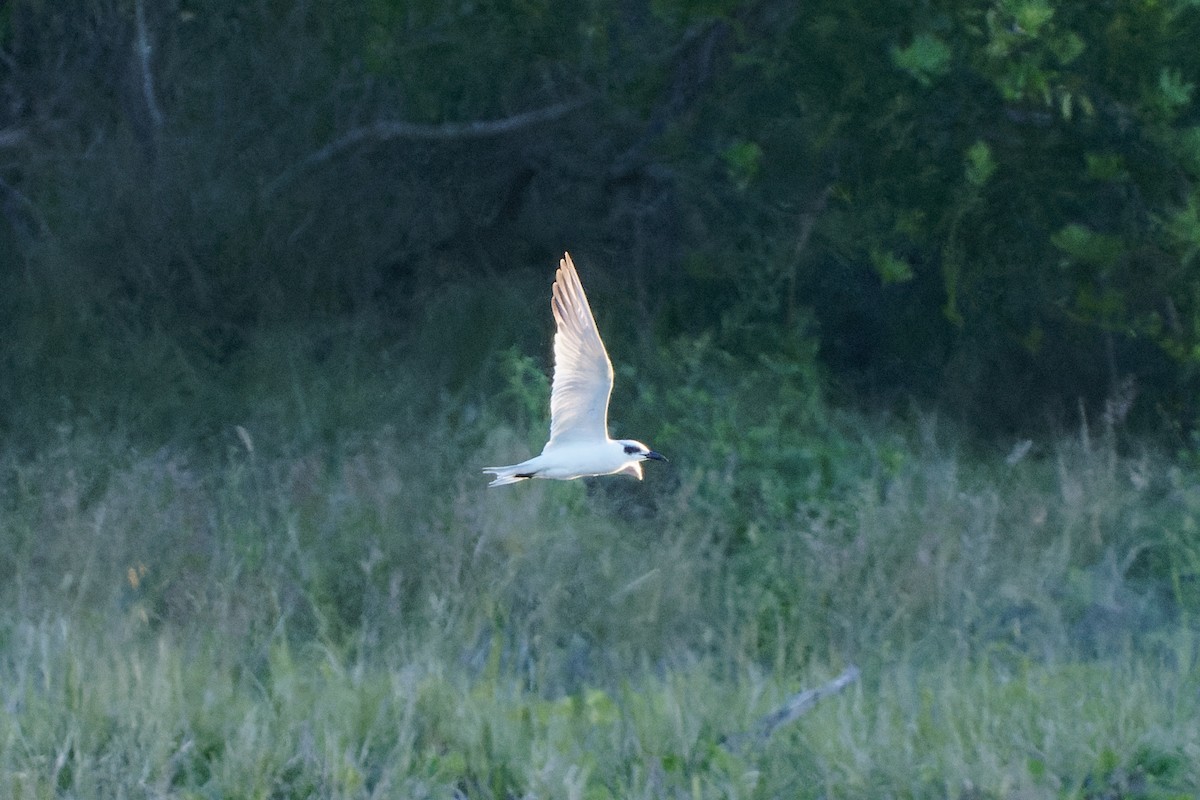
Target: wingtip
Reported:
point(567, 291)
point(567, 265)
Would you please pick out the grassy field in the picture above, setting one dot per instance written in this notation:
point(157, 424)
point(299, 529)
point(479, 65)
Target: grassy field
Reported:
point(318, 598)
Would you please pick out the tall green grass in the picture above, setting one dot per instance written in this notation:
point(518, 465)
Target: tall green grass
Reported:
point(318, 597)
point(92, 714)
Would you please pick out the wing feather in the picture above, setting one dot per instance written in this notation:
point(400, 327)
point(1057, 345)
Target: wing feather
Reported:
point(583, 373)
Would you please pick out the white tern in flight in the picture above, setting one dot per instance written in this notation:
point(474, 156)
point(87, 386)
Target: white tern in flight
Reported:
point(583, 378)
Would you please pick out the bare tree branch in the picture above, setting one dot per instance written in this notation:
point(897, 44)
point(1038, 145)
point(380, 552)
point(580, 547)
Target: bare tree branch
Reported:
point(796, 706)
point(808, 220)
point(702, 52)
point(143, 49)
point(691, 73)
point(384, 130)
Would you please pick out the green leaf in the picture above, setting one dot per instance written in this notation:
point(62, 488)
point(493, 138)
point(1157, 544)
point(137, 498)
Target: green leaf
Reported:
point(1032, 16)
point(1066, 106)
point(1068, 48)
point(890, 268)
point(1175, 91)
point(1183, 227)
point(980, 164)
point(926, 58)
point(742, 162)
point(601, 710)
point(912, 222)
point(1088, 247)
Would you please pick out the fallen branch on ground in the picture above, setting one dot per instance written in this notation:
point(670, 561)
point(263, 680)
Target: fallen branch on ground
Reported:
point(796, 706)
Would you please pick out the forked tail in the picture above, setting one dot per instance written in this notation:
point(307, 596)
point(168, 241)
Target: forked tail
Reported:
point(507, 475)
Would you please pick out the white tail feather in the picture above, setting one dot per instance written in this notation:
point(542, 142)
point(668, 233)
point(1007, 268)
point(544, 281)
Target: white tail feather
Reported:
point(505, 475)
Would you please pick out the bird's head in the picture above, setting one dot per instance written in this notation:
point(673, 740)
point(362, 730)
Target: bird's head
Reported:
point(640, 451)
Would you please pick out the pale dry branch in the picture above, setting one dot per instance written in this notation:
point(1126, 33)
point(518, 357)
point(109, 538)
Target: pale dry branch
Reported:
point(144, 49)
point(796, 706)
point(384, 130)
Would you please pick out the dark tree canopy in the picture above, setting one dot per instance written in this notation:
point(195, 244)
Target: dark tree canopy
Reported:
point(990, 205)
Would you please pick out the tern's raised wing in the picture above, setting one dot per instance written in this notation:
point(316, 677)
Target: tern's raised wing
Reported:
point(583, 375)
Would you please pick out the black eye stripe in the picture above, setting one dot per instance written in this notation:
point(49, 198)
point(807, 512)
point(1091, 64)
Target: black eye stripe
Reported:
point(630, 449)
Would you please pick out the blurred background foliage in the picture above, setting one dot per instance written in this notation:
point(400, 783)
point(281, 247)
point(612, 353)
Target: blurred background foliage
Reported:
point(987, 206)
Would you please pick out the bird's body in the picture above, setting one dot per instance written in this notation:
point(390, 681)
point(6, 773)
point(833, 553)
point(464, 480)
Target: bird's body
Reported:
point(583, 377)
point(579, 460)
